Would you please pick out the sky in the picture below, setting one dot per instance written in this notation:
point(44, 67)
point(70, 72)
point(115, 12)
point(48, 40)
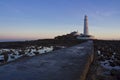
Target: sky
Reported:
point(39, 19)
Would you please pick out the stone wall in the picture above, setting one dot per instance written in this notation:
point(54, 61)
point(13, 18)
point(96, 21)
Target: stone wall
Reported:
point(88, 60)
point(65, 64)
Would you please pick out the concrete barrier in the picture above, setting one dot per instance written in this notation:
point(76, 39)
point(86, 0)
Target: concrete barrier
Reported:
point(65, 64)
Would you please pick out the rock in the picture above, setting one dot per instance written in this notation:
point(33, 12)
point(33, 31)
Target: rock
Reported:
point(112, 64)
point(113, 72)
point(5, 54)
point(12, 57)
point(36, 53)
point(21, 52)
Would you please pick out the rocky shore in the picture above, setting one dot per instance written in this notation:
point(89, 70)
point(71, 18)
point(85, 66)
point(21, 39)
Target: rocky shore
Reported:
point(106, 65)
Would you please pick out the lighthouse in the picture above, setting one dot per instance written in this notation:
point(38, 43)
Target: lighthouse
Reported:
point(85, 34)
point(86, 25)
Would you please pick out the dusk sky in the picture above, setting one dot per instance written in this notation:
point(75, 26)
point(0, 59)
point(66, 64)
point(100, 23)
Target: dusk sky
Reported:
point(38, 19)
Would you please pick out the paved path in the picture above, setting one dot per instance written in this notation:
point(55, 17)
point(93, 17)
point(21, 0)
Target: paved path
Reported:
point(64, 64)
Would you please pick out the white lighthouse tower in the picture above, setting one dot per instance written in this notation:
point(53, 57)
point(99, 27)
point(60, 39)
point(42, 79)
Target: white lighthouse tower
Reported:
point(85, 34)
point(86, 25)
